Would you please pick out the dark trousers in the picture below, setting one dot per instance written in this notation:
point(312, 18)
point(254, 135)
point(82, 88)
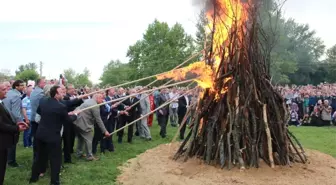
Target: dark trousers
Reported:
point(97, 137)
point(68, 140)
point(3, 165)
point(108, 142)
point(122, 122)
point(54, 151)
point(11, 156)
point(163, 121)
point(183, 128)
point(34, 127)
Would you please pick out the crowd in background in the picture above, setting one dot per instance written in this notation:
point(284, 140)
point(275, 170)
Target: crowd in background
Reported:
point(310, 105)
point(51, 111)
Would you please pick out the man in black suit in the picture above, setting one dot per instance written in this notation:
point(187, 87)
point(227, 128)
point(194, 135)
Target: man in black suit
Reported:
point(163, 113)
point(48, 136)
point(69, 128)
point(133, 113)
point(8, 132)
point(183, 104)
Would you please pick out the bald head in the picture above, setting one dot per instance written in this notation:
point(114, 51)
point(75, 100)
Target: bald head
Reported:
point(3, 91)
point(99, 98)
point(7, 85)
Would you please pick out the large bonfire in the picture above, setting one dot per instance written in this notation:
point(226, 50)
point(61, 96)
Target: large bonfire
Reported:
point(239, 118)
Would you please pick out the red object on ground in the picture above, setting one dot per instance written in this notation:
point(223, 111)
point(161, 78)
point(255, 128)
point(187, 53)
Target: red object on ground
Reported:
point(152, 107)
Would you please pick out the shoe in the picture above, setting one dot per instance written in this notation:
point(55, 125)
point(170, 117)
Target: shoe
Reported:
point(119, 140)
point(14, 165)
point(149, 139)
point(136, 133)
point(92, 158)
point(31, 181)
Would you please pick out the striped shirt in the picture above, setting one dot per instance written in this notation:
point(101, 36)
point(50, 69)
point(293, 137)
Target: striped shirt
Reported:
point(27, 106)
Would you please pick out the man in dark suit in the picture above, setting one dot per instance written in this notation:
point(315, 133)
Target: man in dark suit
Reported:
point(133, 113)
point(183, 104)
point(8, 132)
point(112, 119)
point(48, 136)
point(69, 128)
point(163, 113)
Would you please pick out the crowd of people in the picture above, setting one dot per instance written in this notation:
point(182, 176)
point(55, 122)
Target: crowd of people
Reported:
point(52, 115)
point(310, 105)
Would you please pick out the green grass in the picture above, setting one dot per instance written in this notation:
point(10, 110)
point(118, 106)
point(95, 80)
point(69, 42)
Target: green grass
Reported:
point(318, 138)
point(103, 171)
point(106, 169)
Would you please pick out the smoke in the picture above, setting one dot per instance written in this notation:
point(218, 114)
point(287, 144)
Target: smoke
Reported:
point(204, 4)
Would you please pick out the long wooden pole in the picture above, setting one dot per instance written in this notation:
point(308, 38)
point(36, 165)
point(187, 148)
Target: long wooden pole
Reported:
point(148, 77)
point(122, 98)
point(153, 93)
point(146, 115)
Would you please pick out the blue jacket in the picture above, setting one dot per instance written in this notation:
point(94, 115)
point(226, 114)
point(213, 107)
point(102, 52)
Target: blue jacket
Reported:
point(35, 97)
point(13, 104)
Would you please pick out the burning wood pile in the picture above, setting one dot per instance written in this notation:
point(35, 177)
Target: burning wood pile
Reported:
point(240, 118)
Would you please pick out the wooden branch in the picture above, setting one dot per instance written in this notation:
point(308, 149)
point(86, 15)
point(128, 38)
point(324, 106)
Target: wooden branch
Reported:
point(132, 95)
point(268, 134)
point(149, 77)
point(146, 115)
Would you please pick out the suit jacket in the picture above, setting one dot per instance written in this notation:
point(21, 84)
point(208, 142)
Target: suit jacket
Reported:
point(162, 98)
point(182, 105)
point(88, 118)
point(13, 103)
point(114, 111)
point(9, 131)
point(135, 111)
point(53, 115)
point(145, 104)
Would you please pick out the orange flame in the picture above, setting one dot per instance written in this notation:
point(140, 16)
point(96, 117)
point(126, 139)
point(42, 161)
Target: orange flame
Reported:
point(229, 15)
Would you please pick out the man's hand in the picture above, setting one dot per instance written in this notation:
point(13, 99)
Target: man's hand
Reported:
point(114, 105)
point(124, 113)
point(107, 134)
point(22, 126)
point(83, 96)
point(27, 121)
point(161, 112)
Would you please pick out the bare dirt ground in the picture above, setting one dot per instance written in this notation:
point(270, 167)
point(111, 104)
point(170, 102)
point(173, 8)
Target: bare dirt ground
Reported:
point(156, 167)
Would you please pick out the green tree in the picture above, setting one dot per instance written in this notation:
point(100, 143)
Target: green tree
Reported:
point(115, 72)
point(78, 79)
point(27, 75)
point(292, 51)
point(70, 75)
point(29, 66)
point(161, 49)
point(330, 64)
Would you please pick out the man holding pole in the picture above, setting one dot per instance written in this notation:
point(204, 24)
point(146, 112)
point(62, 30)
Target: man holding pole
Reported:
point(85, 125)
point(134, 112)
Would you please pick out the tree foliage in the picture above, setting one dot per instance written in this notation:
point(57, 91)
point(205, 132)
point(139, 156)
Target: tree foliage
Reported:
point(29, 66)
point(27, 74)
point(292, 50)
point(115, 72)
point(78, 79)
point(161, 49)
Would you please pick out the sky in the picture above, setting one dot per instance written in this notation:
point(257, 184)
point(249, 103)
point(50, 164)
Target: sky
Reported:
point(84, 33)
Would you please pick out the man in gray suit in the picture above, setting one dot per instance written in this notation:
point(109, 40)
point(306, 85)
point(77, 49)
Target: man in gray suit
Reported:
point(144, 131)
point(85, 125)
point(13, 104)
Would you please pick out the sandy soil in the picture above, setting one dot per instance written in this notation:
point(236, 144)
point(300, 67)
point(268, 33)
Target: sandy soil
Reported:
point(156, 167)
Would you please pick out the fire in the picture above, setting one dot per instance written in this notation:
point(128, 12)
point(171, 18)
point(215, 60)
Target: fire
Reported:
point(229, 15)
